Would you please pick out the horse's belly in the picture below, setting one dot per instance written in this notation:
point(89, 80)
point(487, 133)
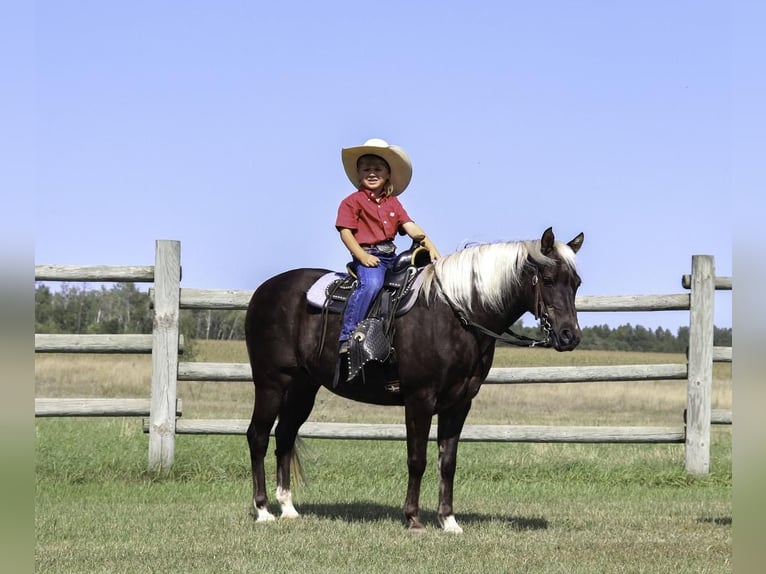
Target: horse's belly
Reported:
point(373, 393)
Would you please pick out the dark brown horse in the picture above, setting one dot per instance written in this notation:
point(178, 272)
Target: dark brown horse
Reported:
point(444, 349)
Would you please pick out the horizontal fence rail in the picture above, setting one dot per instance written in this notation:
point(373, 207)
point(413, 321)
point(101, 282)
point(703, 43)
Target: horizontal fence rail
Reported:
point(233, 372)
point(165, 344)
point(100, 273)
point(505, 375)
point(721, 283)
point(120, 344)
point(471, 433)
point(94, 407)
point(721, 417)
point(521, 375)
point(633, 302)
point(238, 300)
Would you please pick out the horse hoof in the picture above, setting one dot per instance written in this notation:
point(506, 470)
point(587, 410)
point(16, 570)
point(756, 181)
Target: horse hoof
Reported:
point(449, 524)
point(263, 515)
point(285, 499)
point(289, 513)
point(416, 527)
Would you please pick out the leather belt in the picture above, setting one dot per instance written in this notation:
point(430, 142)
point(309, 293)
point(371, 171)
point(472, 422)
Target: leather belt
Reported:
point(383, 246)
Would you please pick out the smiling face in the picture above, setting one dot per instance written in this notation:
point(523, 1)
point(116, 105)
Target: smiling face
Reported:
point(373, 173)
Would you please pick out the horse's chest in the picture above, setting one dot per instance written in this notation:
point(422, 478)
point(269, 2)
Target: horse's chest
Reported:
point(458, 393)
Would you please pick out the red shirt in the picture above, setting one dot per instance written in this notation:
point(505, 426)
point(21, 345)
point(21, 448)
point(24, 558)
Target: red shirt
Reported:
point(370, 221)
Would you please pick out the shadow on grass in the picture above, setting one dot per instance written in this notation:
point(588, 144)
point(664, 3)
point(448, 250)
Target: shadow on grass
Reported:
point(365, 511)
point(720, 521)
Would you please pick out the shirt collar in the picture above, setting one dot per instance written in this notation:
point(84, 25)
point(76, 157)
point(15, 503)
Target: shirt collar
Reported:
point(370, 195)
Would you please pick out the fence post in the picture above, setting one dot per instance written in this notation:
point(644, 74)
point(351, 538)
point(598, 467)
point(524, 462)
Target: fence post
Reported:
point(700, 374)
point(162, 416)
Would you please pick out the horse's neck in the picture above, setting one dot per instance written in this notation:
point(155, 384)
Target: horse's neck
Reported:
point(499, 322)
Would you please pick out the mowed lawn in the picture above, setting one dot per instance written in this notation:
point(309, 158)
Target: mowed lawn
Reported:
point(524, 507)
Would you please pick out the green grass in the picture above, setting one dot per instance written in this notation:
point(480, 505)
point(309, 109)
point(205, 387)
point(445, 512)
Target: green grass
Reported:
point(524, 508)
point(568, 508)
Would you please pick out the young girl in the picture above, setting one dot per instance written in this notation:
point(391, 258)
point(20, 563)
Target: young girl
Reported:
point(369, 219)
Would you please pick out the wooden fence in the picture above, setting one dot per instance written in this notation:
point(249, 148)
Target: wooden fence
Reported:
point(164, 411)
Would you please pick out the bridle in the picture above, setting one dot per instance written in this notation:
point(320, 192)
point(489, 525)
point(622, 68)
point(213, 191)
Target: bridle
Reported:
point(509, 336)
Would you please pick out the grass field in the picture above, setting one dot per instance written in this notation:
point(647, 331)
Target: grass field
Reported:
point(524, 507)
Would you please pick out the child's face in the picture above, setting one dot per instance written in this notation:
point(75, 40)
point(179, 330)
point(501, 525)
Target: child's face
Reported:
point(373, 173)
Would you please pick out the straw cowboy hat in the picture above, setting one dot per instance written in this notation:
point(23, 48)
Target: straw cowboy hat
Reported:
point(397, 159)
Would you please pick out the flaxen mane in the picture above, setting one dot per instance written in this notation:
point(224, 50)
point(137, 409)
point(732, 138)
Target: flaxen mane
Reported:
point(487, 274)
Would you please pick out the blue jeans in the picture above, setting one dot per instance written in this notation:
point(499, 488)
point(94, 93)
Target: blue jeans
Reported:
point(370, 282)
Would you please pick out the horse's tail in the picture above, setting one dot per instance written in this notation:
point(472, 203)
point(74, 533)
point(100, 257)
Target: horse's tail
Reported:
point(296, 466)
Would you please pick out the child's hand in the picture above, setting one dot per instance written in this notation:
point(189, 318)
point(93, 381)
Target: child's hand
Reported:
point(369, 260)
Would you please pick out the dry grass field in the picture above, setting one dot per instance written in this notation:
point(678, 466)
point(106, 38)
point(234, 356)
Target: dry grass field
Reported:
point(614, 403)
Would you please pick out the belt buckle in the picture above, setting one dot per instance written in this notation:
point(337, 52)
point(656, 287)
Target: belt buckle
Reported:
point(387, 247)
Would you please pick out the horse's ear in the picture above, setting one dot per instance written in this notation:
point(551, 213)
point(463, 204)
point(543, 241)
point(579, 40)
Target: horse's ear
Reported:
point(576, 243)
point(546, 243)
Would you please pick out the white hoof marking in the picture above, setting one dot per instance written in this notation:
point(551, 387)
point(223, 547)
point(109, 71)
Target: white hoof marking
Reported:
point(263, 514)
point(285, 499)
point(450, 525)
point(289, 512)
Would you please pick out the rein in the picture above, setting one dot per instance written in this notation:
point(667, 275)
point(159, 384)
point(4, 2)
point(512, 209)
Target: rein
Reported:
point(509, 336)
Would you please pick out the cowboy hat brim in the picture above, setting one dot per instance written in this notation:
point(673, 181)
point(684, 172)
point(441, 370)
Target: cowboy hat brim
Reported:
point(397, 159)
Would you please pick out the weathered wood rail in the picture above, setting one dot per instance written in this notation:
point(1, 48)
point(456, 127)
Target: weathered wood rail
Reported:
point(163, 408)
point(96, 407)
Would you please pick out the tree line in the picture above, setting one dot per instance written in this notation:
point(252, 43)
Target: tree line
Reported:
point(636, 338)
point(123, 308)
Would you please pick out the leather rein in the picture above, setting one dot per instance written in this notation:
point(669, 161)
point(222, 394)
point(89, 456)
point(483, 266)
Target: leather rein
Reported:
point(509, 336)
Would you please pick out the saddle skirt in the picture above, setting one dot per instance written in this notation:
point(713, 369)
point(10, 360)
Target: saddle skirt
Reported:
point(332, 290)
point(372, 339)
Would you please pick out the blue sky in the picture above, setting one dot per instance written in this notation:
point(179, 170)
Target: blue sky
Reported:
point(220, 124)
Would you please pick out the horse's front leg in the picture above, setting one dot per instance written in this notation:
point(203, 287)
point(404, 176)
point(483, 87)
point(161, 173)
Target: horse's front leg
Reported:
point(418, 416)
point(450, 427)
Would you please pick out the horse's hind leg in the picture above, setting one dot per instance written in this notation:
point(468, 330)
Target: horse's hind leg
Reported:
point(267, 402)
point(299, 400)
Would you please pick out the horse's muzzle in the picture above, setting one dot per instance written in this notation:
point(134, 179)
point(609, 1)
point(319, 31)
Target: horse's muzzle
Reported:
point(566, 339)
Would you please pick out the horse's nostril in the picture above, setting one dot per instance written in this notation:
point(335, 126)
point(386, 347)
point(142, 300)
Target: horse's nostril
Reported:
point(568, 337)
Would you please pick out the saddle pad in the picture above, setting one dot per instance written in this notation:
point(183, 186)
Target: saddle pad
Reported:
point(316, 294)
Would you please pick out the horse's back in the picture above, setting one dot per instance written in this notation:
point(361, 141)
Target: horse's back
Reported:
point(288, 283)
point(278, 299)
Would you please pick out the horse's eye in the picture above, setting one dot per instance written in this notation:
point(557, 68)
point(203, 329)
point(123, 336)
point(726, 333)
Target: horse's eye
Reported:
point(547, 281)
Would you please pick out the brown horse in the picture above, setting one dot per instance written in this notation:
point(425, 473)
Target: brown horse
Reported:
point(444, 347)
